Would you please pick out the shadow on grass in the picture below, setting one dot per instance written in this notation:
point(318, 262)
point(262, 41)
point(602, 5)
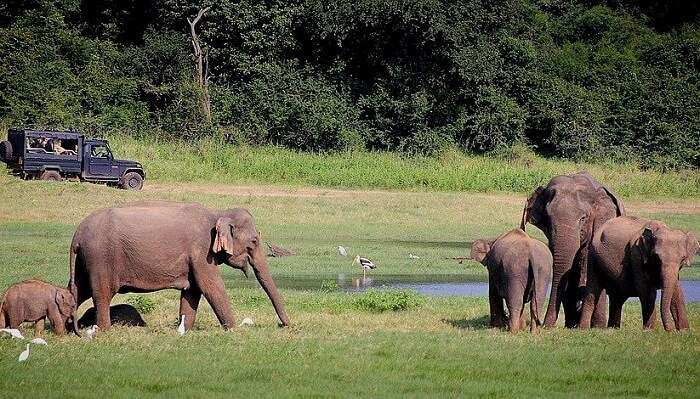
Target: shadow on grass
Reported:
point(476, 323)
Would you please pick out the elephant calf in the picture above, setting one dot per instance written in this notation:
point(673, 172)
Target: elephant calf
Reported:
point(35, 301)
point(633, 257)
point(520, 270)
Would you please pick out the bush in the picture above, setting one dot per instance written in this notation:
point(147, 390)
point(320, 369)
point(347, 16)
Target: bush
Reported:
point(382, 301)
point(143, 304)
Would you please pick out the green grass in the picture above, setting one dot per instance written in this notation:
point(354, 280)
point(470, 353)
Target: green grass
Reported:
point(376, 345)
point(516, 171)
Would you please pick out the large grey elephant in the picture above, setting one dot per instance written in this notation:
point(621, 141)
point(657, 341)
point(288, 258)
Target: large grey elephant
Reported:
point(150, 246)
point(633, 257)
point(568, 210)
point(520, 270)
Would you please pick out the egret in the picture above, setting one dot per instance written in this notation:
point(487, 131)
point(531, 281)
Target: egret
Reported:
point(39, 341)
point(14, 333)
point(24, 355)
point(411, 256)
point(365, 263)
point(342, 251)
point(91, 331)
point(181, 328)
point(247, 322)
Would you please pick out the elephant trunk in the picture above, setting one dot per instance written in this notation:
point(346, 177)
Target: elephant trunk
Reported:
point(564, 245)
point(262, 273)
point(668, 285)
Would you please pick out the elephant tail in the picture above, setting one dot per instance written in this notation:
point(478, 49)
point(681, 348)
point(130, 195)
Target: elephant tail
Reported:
point(534, 304)
point(3, 319)
point(72, 286)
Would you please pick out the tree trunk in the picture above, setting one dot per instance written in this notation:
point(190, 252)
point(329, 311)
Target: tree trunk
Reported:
point(202, 65)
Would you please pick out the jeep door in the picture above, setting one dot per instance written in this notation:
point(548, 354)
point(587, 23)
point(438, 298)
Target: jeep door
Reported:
point(100, 160)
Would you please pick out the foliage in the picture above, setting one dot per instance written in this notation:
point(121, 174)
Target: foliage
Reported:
point(384, 300)
point(143, 304)
point(574, 79)
point(329, 286)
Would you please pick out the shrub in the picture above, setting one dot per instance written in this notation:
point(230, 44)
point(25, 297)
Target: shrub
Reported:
point(384, 300)
point(141, 303)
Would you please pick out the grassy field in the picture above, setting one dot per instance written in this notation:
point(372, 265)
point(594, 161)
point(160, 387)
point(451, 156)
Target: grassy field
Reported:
point(438, 346)
point(517, 170)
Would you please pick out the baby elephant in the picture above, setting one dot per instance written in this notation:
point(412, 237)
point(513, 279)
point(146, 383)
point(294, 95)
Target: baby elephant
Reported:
point(34, 301)
point(633, 257)
point(520, 270)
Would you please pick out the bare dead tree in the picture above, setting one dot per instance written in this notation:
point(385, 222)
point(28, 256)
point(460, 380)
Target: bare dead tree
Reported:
point(202, 64)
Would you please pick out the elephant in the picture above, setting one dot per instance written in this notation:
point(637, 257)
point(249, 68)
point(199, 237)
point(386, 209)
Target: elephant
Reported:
point(155, 245)
point(633, 257)
point(35, 301)
point(122, 314)
point(520, 270)
point(568, 210)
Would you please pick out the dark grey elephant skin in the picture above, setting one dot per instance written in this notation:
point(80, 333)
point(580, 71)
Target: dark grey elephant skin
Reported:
point(520, 270)
point(156, 245)
point(121, 314)
point(569, 210)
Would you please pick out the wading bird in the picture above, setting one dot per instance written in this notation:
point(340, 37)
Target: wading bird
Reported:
point(91, 331)
point(247, 322)
point(181, 328)
point(24, 355)
point(14, 333)
point(365, 263)
point(342, 251)
point(411, 256)
point(39, 341)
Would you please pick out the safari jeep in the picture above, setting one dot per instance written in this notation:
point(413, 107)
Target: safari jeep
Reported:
point(58, 155)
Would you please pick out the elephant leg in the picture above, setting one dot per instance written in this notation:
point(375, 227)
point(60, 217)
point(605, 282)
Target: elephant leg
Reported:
point(678, 309)
point(496, 310)
point(102, 300)
point(189, 301)
point(514, 301)
point(592, 293)
point(600, 319)
point(572, 315)
point(615, 319)
point(648, 301)
point(39, 327)
point(59, 327)
point(209, 281)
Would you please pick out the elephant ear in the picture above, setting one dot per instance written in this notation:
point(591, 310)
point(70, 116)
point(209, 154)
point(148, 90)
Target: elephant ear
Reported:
point(691, 247)
point(223, 240)
point(534, 211)
point(480, 248)
point(620, 207)
point(65, 302)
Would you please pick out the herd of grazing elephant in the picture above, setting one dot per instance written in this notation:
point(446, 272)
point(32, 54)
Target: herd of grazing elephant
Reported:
point(595, 250)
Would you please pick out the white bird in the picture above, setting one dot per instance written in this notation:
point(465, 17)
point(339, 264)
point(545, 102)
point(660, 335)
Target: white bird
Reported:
point(91, 331)
point(39, 341)
point(24, 355)
point(181, 328)
point(342, 251)
point(365, 263)
point(14, 333)
point(247, 322)
point(411, 256)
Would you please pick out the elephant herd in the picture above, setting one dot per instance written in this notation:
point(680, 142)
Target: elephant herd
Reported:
point(594, 250)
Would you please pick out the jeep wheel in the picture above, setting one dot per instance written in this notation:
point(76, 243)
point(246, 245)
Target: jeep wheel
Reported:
point(132, 181)
point(51, 175)
point(5, 151)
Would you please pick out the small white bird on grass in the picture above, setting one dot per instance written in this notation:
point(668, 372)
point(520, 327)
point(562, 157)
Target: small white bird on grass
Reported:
point(411, 256)
point(91, 331)
point(342, 251)
point(247, 322)
point(14, 333)
point(181, 328)
point(365, 263)
point(24, 355)
point(39, 341)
